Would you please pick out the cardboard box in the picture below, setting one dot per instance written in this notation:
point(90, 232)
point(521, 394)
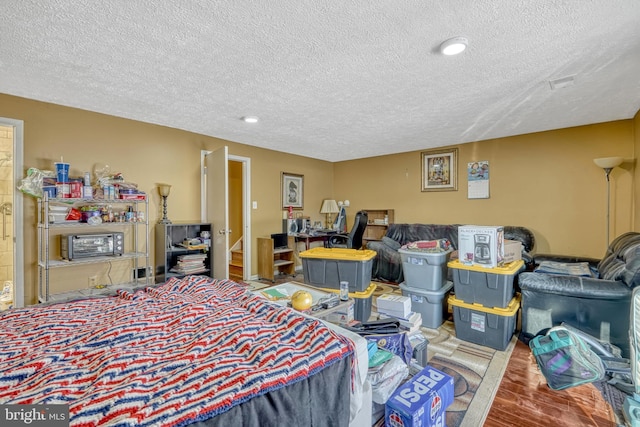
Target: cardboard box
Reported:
point(481, 245)
point(395, 305)
point(421, 401)
point(512, 250)
point(343, 316)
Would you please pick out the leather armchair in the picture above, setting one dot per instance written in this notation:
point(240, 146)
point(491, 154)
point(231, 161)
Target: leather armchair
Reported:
point(353, 240)
point(598, 305)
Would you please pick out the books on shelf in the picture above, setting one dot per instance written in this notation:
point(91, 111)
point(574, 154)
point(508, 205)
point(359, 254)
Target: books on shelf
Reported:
point(190, 264)
point(192, 246)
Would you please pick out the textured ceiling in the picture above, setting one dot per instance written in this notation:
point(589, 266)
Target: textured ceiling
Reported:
point(332, 80)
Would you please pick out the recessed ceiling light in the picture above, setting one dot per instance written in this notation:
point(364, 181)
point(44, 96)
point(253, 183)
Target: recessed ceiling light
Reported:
point(454, 46)
point(250, 119)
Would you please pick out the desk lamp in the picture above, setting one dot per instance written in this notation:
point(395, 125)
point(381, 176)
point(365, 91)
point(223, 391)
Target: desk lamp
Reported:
point(164, 190)
point(329, 206)
point(608, 163)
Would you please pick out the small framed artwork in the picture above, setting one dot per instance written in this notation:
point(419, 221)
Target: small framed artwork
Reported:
point(292, 190)
point(440, 170)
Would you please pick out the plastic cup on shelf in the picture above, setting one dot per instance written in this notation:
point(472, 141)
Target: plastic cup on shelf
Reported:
point(62, 171)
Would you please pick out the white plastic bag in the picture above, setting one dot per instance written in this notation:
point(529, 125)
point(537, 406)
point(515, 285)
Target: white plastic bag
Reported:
point(32, 183)
point(386, 378)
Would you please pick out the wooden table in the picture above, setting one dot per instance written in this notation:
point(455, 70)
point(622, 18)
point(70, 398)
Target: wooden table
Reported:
point(309, 238)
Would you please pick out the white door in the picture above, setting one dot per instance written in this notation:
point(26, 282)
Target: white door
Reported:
point(245, 234)
point(216, 182)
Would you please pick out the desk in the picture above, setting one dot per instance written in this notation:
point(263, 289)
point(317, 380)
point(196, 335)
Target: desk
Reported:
point(317, 237)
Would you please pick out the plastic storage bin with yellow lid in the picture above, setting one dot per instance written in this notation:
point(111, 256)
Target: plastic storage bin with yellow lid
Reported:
point(424, 270)
point(490, 287)
point(327, 267)
point(491, 327)
point(362, 300)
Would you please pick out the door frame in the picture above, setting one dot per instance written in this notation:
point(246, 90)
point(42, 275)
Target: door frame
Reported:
point(246, 203)
point(17, 209)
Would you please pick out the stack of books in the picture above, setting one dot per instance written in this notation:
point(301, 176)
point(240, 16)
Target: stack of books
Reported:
point(190, 264)
point(394, 305)
point(399, 308)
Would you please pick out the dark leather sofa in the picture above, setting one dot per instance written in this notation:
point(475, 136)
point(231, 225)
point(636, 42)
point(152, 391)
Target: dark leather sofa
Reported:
point(387, 265)
point(598, 305)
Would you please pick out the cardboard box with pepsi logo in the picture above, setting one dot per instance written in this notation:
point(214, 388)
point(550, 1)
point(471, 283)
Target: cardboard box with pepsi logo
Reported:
point(421, 401)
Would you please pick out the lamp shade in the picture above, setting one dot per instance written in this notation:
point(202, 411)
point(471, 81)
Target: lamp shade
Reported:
point(329, 206)
point(608, 162)
point(164, 189)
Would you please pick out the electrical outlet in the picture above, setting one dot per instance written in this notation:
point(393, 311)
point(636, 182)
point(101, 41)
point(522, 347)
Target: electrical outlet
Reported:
point(93, 281)
point(142, 272)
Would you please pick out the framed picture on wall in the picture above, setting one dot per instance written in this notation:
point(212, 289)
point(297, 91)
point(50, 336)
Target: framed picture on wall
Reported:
point(292, 190)
point(440, 170)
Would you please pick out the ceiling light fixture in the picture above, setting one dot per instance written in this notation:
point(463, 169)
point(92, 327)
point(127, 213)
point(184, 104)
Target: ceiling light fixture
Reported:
point(250, 119)
point(454, 46)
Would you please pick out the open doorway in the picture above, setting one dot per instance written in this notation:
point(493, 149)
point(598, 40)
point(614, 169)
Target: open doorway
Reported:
point(228, 210)
point(236, 221)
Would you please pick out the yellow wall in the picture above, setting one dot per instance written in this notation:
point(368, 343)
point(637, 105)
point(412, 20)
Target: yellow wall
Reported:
point(636, 187)
point(545, 181)
point(148, 154)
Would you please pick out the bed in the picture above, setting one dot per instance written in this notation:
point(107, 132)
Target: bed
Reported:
point(194, 351)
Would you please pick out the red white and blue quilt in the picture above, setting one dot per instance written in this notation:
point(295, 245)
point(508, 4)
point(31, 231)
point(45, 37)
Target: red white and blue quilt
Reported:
point(173, 355)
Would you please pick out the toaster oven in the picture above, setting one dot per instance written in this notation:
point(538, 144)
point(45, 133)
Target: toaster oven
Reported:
point(76, 246)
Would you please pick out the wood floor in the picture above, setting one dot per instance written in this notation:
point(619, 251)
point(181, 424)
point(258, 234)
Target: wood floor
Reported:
point(524, 399)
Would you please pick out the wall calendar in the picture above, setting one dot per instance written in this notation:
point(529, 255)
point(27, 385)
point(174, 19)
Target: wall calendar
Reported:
point(478, 180)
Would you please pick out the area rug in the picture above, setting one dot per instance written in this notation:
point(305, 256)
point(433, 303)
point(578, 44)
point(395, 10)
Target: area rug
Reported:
point(477, 370)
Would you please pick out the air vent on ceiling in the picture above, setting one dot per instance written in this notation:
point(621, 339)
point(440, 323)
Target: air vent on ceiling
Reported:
point(562, 82)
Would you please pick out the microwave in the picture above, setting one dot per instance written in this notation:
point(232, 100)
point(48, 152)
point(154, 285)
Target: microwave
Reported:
point(75, 246)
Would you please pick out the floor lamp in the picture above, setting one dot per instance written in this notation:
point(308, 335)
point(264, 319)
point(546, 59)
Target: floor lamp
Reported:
point(608, 163)
point(164, 190)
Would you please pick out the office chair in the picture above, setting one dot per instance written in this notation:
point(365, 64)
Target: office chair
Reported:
point(353, 240)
